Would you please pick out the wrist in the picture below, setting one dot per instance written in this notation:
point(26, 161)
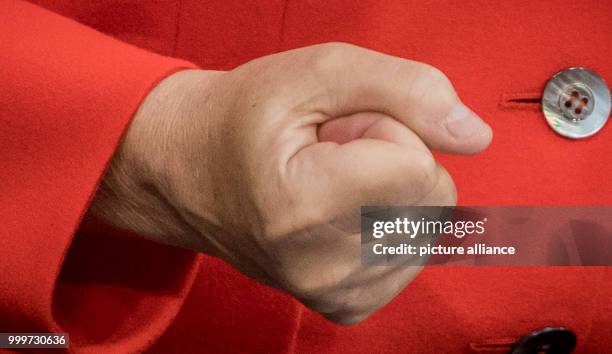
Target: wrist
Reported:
point(141, 190)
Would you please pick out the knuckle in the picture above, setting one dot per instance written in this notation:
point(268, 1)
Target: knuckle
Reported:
point(331, 56)
point(331, 299)
point(427, 171)
point(350, 306)
point(416, 177)
point(429, 81)
point(348, 319)
point(434, 75)
point(302, 283)
point(356, 301)
point(443, 194)
point(450, 195)
point(336, 47)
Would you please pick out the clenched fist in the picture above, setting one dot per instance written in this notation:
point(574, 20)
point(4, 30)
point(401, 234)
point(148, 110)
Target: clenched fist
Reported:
point(267, 165)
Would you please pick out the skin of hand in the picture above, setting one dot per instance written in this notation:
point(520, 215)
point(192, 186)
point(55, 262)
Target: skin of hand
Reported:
point(266, 166)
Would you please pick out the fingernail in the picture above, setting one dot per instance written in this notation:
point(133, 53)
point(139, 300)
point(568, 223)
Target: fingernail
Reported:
point(462, 123)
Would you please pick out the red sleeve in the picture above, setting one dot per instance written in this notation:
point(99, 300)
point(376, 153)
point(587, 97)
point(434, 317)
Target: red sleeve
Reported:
point(67, 93)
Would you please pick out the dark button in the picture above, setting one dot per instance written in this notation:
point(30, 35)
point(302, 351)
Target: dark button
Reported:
point(549, 340)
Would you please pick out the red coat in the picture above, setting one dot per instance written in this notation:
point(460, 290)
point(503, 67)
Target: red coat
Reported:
point(67, 93)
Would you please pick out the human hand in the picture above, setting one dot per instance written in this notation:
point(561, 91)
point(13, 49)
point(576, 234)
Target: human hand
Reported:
point(267, 165)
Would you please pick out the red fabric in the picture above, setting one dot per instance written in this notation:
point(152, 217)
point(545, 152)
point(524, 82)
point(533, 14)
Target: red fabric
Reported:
point(67, 95)
point(63, 114)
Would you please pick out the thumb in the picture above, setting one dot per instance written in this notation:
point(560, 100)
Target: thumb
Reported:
point(419, 96)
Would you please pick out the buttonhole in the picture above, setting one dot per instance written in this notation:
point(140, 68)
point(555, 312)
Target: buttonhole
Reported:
point(521, 100)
